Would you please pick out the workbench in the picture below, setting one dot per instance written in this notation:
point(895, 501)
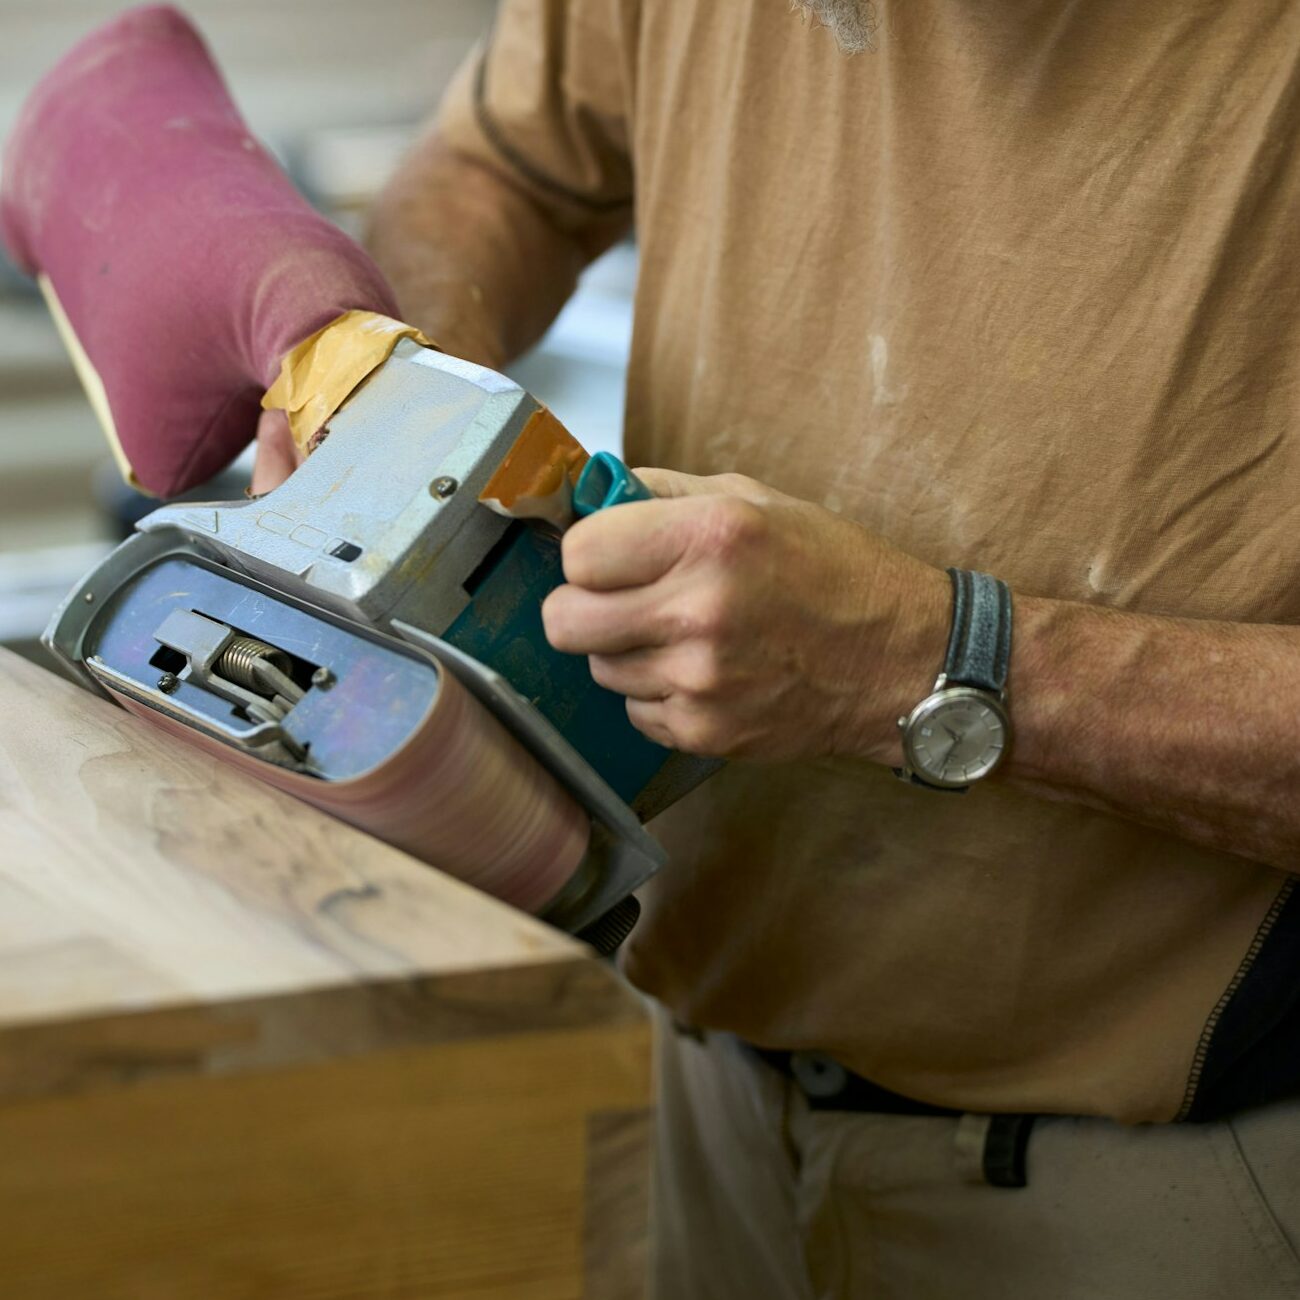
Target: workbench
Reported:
point(246, 1051)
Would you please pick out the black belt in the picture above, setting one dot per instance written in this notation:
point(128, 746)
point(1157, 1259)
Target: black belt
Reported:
point(827, 1085)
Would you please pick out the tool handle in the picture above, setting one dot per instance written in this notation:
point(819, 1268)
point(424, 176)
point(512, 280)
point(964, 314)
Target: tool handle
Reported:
point(605, 481)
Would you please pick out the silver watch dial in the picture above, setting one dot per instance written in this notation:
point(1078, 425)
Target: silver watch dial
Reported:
point(955, 736)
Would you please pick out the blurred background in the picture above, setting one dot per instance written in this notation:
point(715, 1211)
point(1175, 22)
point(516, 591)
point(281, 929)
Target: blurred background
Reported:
point(337, 90)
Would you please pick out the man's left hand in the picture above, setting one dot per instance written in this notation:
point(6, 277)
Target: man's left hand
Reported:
point(741, 622)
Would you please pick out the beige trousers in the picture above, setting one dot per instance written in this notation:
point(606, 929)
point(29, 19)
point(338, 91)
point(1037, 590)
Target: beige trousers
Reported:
point(759, 1198)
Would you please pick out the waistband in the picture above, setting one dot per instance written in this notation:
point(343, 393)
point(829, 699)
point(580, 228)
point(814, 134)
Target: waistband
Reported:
point(827, 1085)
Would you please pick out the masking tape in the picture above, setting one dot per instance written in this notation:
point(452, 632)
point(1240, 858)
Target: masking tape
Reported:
point(536, 476)
point(323, 371)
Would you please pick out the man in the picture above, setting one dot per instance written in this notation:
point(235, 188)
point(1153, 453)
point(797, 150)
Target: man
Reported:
point(1013, 291)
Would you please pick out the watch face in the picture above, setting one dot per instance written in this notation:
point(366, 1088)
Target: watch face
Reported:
point(956, 736)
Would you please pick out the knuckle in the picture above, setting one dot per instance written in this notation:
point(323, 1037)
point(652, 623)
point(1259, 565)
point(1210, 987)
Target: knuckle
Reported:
point(700, 673)
point(732, 526)
point(740, 484)
point(695, 732)
point(704, 616)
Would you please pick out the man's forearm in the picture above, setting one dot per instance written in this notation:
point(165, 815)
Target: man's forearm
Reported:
point(474, 261)
point(1185, 725)
point(744, 623)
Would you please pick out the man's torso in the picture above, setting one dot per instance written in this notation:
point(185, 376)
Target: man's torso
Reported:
point(1017, 290)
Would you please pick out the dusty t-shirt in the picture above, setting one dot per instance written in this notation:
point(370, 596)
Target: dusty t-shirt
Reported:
point(1020, 290)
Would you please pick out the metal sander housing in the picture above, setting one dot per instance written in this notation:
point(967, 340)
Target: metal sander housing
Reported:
point(311, 628)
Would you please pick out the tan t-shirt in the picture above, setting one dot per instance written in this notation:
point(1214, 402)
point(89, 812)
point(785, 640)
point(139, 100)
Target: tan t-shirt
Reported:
point(1020, 290)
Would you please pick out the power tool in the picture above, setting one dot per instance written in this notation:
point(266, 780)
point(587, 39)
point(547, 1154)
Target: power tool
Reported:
point(367, 635)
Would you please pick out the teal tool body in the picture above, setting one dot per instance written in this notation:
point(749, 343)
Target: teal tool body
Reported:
point(605, 481)
point(502, 626)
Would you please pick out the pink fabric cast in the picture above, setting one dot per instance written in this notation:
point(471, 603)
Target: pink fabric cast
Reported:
point(185, 259)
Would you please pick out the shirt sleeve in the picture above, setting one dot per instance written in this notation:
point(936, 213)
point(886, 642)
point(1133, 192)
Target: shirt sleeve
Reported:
point(545, 99)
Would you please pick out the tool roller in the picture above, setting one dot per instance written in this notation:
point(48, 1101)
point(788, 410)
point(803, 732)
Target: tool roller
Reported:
point(368, 635)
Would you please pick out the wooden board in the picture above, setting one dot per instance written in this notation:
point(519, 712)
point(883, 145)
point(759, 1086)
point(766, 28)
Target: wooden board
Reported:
point(247, 1051)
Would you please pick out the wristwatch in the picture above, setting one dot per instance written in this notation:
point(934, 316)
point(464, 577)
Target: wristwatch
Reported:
point(958, 734)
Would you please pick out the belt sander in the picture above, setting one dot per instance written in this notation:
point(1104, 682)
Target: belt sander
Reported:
point(367, 636)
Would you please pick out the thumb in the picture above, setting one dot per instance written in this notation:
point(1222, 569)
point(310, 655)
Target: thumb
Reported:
point(673, 483)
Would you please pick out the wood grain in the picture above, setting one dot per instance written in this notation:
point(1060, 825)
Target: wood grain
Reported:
point(111, 834)
point(461, 794)
point(246, 1050)
point(617, 1256)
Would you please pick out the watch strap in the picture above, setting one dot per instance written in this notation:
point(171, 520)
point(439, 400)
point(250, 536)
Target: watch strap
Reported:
point(979, 646)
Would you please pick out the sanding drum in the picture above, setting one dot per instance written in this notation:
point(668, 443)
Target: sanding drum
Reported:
point(461, 794)
point(358, 723)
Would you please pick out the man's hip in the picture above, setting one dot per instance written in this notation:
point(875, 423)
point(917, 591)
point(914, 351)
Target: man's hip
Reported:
point(761, 1195)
